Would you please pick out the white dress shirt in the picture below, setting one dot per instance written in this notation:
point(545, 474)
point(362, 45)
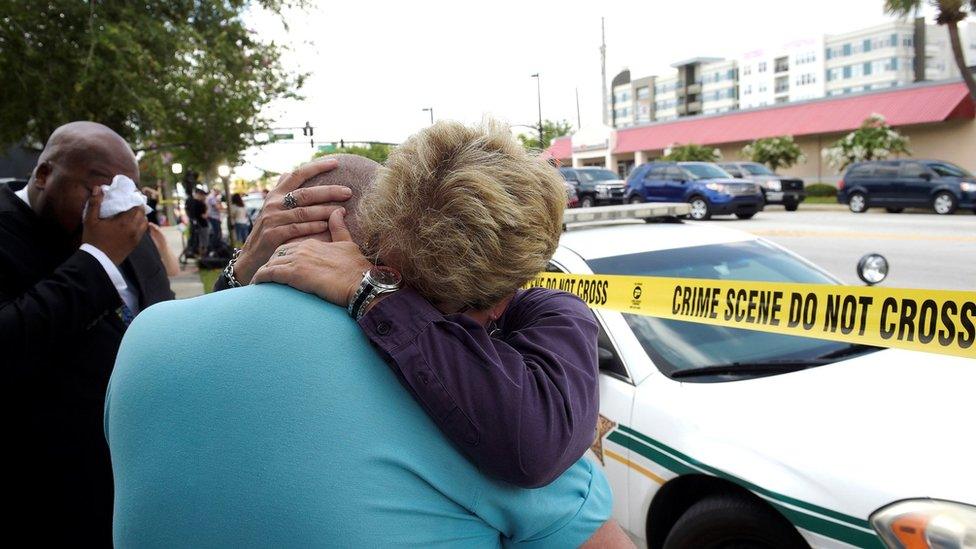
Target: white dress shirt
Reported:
point(128, 296)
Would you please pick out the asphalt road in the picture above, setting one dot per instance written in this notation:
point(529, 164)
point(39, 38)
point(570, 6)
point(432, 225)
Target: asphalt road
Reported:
point(924, 250)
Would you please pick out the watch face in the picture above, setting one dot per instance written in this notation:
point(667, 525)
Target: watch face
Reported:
point(385, 276)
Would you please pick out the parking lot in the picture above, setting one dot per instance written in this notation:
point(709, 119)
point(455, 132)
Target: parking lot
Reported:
point(924, 250)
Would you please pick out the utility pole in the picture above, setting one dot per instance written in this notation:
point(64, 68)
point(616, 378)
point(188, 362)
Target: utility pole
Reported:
point(579, 123)
point(538, 87)
point(603, 69)
point(431, 111)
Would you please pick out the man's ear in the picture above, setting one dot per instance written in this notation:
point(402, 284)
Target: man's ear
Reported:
point(41, 173)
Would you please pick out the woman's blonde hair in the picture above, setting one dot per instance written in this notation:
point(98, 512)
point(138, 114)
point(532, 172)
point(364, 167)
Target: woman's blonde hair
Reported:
point(466, 213)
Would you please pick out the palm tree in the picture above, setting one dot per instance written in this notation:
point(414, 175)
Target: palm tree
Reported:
point(950, 12)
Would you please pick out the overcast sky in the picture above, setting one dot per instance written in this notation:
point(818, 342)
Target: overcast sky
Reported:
point(374, 65)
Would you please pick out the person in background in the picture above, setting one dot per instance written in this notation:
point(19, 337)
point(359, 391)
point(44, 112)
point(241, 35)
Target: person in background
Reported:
point(196, 213)
point(152, 200)
point(238, 215)
point(215, 207)
point(68, 290)
point(169, 259)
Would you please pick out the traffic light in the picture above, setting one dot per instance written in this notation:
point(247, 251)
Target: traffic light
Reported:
point(308, 130)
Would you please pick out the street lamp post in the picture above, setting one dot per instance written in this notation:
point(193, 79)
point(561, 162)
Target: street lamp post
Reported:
point(224, 172)
point(431, 111)
point(177, 169)
point(538, 89)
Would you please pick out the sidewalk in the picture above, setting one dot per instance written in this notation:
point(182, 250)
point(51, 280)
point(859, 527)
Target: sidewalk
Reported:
point(187, 282)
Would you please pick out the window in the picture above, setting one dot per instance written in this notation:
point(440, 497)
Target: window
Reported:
point(892, 64)
point(893, 40)
point(867, 69)
point(782, 64)
point(748, 89)
point(886, 171)
point(846, 50)
point(643, 92)
point(913, 170)
point(847, 71)
point(862, 170)
point(747, 70)
point(948, 170)
point(675, 174)
point(866, 46)
point(907, 41)
point(762, 67)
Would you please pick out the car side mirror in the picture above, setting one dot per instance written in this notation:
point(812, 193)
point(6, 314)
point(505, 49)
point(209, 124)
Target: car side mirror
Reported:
point(605, 357)
point(872, 268)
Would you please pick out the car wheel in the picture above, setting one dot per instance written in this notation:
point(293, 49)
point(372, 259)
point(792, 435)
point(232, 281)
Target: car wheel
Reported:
point(894, 210)
point(586, 202)
point(699, 209)
point(731, 521)
point(944, 203)
point(635, 200)
point(857, 202)
point(745, 215)
point(791, 206)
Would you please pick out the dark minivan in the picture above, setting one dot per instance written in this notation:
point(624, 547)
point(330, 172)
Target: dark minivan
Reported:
point(899, 184)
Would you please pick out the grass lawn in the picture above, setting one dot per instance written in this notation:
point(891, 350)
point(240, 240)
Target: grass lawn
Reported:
point(208, 277)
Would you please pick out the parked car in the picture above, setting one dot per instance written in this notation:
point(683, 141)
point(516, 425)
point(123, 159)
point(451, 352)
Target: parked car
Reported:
point(595, 186)
point(709, 189)
point(776, 189)
point(899, 184)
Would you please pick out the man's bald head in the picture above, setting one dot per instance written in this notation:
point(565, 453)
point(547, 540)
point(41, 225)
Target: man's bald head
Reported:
point(77, 157)
point(354, 171)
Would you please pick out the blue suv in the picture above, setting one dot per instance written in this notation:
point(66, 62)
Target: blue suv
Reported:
point(899, 184)
point(709, 189)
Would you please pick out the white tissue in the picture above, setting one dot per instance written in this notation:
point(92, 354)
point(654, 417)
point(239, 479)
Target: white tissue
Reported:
point(121, 196)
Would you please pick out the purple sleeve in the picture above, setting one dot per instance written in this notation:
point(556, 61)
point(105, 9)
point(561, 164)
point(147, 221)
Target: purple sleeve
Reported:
point(521, 404)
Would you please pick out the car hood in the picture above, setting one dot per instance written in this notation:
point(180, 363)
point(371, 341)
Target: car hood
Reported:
point(863, 432)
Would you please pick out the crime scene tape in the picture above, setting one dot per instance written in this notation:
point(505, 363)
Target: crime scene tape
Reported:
point(934, 321)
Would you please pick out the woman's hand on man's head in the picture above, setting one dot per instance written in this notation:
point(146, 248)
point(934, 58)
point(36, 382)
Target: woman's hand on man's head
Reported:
point(330, 270)
point(282, 221)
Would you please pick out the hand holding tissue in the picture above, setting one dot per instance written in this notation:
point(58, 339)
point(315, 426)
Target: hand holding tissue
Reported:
point(121, 196)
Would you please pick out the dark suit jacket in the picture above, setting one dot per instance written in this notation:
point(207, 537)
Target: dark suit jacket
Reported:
point(59, 334)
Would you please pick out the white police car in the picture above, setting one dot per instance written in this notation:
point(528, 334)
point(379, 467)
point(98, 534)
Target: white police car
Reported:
point(720, 437)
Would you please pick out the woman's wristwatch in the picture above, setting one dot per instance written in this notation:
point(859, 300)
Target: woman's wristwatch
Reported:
point(378, 280)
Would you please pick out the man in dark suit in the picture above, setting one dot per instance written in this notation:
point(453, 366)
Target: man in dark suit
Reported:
point(68, 289)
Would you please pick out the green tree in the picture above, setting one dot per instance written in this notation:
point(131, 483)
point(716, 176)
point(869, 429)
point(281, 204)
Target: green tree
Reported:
point(949, 13)
point(775, 152)
point(378, 152)
point(178, 75)
point(874, 140)
point(691, 152)
point(551, 129)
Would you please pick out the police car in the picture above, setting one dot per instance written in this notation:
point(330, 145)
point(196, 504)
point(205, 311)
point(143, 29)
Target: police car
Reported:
point(721, 437)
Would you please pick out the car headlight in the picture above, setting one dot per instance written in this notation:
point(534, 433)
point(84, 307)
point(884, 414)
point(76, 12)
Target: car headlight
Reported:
point(774, 185)
point(717, 187)
point(926, 523)
point(967, 187)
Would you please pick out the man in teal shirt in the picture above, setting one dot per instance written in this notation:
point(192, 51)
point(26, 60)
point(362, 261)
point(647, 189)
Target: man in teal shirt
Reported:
point(293, 432)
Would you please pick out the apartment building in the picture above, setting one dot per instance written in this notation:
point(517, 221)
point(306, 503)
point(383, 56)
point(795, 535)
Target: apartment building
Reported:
point(895, 53)
point(790, 72)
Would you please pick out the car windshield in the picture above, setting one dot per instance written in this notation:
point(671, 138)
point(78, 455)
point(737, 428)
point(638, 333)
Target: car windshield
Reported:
point(590, 176)
point(757, 169)
point(676, 345)
point(706, 171)
point(949, 170)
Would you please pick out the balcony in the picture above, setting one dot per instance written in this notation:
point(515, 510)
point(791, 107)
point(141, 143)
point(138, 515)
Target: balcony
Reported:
point(694, 87)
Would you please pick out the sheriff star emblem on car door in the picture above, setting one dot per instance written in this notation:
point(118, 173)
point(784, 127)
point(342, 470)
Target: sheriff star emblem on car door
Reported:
point(603, 426)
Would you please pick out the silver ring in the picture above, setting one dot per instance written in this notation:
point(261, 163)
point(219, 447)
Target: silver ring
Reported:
point(289, 202)
point(283, 252)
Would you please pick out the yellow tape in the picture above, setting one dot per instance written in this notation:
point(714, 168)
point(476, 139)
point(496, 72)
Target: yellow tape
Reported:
point(934, 321)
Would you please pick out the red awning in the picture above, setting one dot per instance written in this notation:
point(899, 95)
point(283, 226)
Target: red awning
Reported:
point(900, 107)
point(561, 148)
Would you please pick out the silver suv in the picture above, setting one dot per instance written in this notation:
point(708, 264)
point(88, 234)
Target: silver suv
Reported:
point(776, 189)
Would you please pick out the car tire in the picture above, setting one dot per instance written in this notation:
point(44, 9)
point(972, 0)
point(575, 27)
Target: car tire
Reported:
point(857, 202)
point(894, 210)
point(791, 206)
point(586, 201)
point(944, 203)
point(731, 521)
point(635, 200)
point(700, 209)
point(745, 215)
